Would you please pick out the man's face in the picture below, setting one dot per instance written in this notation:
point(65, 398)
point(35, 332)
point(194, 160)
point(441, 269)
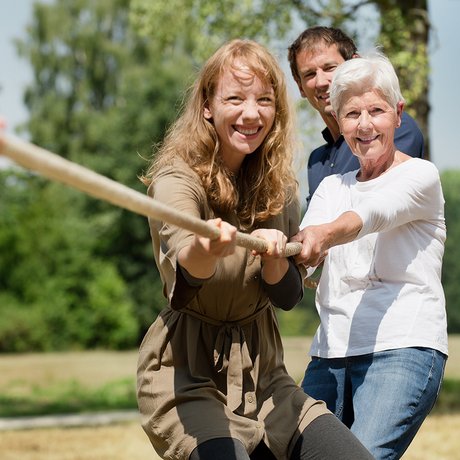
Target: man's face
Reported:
point(316, 69)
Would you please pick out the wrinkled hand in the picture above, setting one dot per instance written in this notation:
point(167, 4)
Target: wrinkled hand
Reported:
point(314, 245)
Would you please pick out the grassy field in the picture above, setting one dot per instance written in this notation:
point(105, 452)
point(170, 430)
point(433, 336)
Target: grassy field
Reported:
point(95, 368)
point(23, 375)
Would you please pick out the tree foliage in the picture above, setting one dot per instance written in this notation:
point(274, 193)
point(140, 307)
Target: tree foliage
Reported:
point(101, 96)
point(54, 292)
point(404, 34)
point(77, 272)
point(451, 268)
point(401, 28)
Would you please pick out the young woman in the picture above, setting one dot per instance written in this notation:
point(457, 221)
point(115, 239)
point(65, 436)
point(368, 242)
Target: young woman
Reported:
point(211, 378)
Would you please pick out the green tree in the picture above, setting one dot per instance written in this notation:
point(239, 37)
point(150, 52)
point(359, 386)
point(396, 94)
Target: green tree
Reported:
point(402, 28)
point(101, 96)
point(404, 34)
point(451, 268)
point(54, 292)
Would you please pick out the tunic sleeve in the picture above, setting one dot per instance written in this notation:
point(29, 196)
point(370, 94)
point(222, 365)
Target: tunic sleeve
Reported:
point(288, 292)
point(180, 189)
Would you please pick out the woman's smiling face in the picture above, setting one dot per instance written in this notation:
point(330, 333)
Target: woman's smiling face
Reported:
point(243, 112)
point(367, 122)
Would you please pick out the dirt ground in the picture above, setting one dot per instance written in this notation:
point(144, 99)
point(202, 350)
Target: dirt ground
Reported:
point(438, 439)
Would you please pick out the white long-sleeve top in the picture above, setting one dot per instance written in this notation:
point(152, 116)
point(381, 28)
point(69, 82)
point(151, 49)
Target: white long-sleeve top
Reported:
point(383, 290)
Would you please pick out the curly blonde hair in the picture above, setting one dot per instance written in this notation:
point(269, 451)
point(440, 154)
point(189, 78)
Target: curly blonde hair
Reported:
point(266, 181)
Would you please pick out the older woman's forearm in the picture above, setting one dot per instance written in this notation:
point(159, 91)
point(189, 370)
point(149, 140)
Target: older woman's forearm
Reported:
point(344, 229)
point(318, 239)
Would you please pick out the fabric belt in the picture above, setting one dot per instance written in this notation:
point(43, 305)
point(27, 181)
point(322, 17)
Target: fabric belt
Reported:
point(231, 353)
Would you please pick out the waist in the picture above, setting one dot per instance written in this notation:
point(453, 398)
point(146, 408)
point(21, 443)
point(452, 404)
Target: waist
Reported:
point(220, 322)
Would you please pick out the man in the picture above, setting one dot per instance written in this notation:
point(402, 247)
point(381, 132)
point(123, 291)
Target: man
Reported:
point(314, 56)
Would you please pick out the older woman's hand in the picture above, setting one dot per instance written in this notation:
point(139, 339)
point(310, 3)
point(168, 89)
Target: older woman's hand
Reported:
point(314, 245)
point(318, 239)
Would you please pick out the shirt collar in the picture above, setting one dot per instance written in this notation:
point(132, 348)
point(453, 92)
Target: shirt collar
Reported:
point(327, 136)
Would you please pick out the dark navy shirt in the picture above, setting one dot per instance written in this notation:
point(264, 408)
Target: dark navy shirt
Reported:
point(336, 157)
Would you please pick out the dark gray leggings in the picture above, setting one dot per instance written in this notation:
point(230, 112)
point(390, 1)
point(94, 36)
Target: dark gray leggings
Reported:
point(326, 438)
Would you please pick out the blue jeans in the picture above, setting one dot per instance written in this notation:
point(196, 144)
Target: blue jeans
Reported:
point(382, 397)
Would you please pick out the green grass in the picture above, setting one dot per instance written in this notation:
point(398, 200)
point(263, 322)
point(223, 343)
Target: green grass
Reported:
point(67, 397)
point(90, 381)
point(449, 397)
point(73, 397)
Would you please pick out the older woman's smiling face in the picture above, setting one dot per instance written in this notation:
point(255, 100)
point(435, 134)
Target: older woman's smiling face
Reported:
point(243, 112)
point(368, 122)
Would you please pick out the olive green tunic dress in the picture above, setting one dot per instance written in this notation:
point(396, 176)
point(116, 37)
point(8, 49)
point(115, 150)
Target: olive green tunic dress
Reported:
point(211, 365)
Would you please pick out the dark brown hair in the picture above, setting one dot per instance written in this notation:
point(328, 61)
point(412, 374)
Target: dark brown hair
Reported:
point(316, 36)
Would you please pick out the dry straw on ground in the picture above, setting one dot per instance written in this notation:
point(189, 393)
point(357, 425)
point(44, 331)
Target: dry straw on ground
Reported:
point(438, 438)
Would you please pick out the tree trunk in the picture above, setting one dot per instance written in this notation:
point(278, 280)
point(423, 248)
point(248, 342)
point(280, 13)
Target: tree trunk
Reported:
point(404, 34)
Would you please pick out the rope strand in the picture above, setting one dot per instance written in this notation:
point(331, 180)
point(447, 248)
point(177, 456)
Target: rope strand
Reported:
point(59, 169)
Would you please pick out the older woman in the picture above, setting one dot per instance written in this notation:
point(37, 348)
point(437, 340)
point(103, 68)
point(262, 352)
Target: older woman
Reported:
point(379, 353)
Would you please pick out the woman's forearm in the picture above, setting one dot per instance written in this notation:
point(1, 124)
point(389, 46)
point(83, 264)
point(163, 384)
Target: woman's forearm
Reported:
point(199, 264)
point(273, 270)
point(318, 239)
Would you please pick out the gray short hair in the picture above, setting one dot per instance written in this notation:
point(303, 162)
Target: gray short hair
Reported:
point(373, 71)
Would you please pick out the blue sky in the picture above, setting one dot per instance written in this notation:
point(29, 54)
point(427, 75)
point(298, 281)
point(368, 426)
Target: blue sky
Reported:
point(444, 58)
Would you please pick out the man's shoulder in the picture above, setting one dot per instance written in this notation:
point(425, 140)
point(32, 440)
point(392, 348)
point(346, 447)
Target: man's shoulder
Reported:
point(338, 153)
point(319, 154)
point(408, 121)
point(409, 137)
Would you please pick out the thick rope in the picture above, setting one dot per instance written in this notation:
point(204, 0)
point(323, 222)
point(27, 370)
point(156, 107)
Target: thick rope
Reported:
point(59, 169)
